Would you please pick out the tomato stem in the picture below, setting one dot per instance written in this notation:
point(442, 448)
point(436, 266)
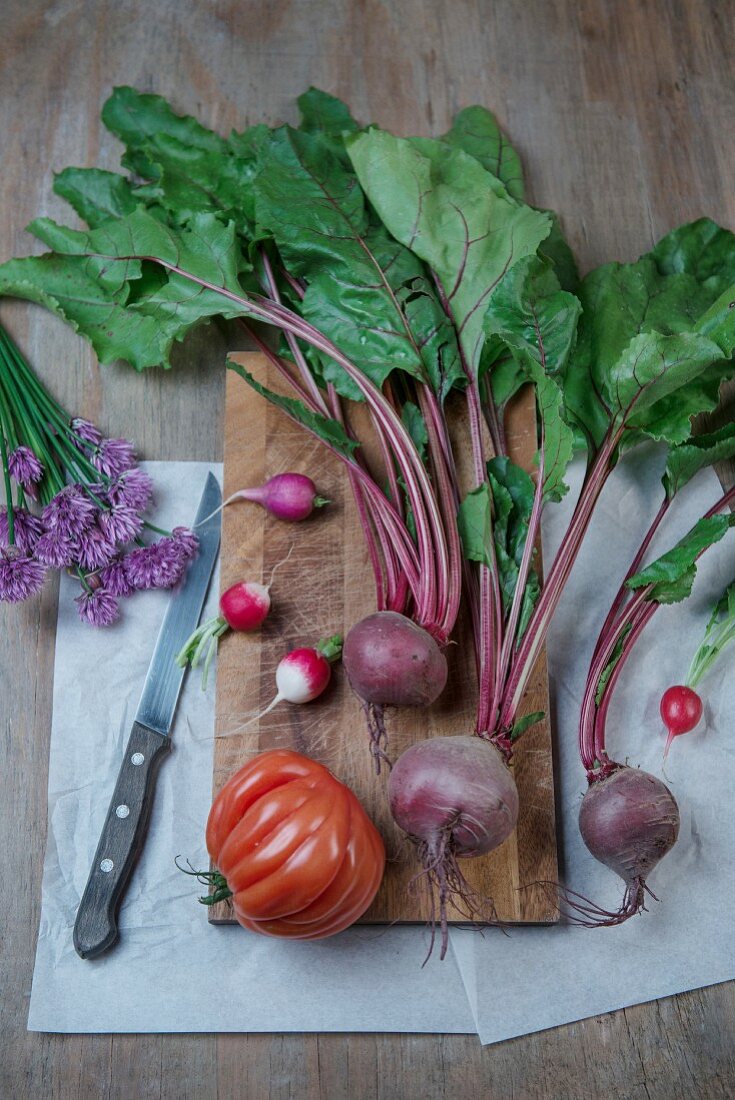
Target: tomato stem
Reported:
point(208, 878)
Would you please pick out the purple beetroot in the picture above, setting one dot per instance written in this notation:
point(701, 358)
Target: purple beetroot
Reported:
point(455, 797)
point(390, 661)
point(629, 821)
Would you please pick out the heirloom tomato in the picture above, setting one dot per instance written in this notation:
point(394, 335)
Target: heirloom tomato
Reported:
point(298, 852)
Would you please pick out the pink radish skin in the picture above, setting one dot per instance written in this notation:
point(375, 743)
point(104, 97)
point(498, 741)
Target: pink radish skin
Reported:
point(454, 797)
point(390, 661)
point(245, 606)
point(289, 497)
point(629, 821)
point(303, 674)
point(681, 710)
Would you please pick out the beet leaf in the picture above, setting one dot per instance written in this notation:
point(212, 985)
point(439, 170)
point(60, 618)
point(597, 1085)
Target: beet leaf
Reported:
point(476, 131)
point(672, 575)
point(696, 453)
point(719, 633)
point(443, 205)
point(537, 322)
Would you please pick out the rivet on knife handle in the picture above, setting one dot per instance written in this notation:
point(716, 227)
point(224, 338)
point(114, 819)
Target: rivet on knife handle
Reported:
point(121, 842)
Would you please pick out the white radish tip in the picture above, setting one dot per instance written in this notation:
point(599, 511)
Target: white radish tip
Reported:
point(292, 684)
point(262, 591)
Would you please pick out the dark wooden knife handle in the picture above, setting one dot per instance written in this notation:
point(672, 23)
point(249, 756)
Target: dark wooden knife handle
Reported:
point(123, 835)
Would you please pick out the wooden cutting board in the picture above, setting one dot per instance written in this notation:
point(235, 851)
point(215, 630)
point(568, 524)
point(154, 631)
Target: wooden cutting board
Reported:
point(324, 587)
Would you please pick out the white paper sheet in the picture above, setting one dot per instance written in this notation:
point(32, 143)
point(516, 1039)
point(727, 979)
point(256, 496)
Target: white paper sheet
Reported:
point(536, 978)
point(171, 970)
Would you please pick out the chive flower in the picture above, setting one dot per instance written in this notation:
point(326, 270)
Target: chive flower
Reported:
point(27, 529)
point(90, 497)
point(24, 466)
point(21, 575)
point(98, 607)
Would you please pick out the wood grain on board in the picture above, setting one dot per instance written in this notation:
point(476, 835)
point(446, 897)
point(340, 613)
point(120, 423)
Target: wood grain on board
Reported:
point(322, 586)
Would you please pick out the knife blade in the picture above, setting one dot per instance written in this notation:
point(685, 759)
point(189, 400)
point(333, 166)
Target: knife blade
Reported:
point(123, 834)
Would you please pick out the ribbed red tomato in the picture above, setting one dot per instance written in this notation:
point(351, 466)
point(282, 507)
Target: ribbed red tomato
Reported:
point(298, 851)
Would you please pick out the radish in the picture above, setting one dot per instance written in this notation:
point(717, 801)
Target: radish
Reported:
point(289, 497)
point(453, 796)
point(629, 820)
point(681, 706)
point(390, 661)
point(243, 606)
point(303, 674)
point(681, 710)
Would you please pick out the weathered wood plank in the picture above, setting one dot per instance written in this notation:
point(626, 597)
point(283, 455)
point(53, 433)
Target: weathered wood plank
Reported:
point(623, 113)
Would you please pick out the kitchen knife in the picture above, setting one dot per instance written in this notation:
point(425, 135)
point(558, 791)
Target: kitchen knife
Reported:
point(123, 834)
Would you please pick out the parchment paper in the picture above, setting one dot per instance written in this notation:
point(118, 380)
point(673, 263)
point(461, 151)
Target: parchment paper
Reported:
point(536, 978)
point(171, 970)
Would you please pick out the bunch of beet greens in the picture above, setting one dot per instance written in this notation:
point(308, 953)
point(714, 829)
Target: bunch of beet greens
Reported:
point(405, 274)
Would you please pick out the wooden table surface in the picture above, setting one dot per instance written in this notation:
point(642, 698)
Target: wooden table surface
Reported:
point(623, 114)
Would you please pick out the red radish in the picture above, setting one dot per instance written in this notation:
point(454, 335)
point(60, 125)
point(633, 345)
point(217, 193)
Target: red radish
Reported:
point(303, 674)
point(454, 797)
point(243, 606)
point(390, 661)
point(290, 497)
point(681, 710)
point(629, 820)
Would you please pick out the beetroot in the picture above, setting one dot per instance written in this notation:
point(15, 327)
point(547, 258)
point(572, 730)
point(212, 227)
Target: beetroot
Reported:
point(454, 797)
point(390, 661)
point(629, 821)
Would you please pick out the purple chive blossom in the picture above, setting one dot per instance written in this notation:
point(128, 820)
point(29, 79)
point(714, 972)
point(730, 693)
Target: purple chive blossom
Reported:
point(93, 548)
point(160, 565)
point(113, 457)
point(187, 541)
point(97, 489)
point(27, 529)
point(20, 575)
point(70, 512)
point(114, 578)
point(24, 466)
point(120, 523)
point(86, 430)
point(141, 567)
point(99, 608)
point(54, 550)
point(171, 563)
point(133, 488)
